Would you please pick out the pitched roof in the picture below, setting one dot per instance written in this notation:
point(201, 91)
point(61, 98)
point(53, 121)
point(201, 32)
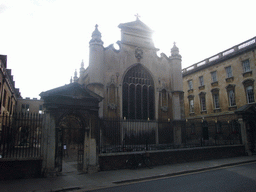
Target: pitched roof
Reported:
point(72, 90)
point(248, 108)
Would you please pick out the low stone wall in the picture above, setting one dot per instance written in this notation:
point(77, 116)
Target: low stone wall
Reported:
point(118, 160)
point(20, 169)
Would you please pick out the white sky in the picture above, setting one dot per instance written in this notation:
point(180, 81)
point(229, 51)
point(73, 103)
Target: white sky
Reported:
point(45, 41)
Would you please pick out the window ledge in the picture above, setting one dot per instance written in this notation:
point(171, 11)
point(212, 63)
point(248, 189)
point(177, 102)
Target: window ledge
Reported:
point(247, 74)
point(204, 112)
point(229, 79)
point(217, 110)
point(214, 83)
point(190, 91)
point(201, 87)
point(191, 113)
point(232, 108)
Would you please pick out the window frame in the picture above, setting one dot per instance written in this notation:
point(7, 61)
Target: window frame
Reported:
point(202, 103)
point(246, 65)
point(229, 71)
point(250, 95)
point(214, 76)
point(231, 98)
point(191, 104)
point(216, 99)
point(138, 96)
point(201, 80)
point(190, 84)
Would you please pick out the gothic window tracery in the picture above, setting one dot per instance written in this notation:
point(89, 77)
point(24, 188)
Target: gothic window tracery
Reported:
point(138, 94)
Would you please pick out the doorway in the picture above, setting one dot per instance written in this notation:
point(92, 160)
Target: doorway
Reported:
point(70, 135)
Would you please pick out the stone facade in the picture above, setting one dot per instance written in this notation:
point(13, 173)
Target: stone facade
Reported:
point(128, 75)
point(8, 93)
point(237, 80)
point(221, 90)
point(30, 105)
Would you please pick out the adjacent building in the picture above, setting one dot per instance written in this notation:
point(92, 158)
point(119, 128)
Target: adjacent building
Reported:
point(8, 93)
point(222, 89)
point(28, 105)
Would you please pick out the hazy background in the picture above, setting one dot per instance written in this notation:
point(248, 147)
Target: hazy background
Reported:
point(46, 40)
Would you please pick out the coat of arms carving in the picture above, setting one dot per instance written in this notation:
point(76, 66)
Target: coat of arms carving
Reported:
point(138, 53)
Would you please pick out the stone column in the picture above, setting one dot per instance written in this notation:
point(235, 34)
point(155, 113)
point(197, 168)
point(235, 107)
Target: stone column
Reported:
point(93, 160)
point(48, 145)
point(93, 165)
point(244, 136)
point(176, 105)
point(86, 152)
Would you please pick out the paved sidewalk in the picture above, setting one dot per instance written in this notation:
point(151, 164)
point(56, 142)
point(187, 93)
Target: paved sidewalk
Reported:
point(71, 180)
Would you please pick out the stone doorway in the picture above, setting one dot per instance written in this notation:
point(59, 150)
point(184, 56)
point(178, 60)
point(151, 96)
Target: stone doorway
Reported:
point(70, 137)
point(69, 129)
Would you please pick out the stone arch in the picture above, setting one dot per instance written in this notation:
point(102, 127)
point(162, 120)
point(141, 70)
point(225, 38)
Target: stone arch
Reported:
point(71, 132)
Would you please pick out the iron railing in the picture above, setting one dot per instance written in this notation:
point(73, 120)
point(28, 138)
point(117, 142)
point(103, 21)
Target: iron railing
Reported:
point(211, 133)
point(117, 135)
point(20, 135)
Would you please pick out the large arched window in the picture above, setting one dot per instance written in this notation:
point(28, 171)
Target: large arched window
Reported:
point(138, 94)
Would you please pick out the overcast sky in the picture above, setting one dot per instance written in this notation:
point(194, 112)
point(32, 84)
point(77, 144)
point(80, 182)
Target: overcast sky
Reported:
point(46, 40)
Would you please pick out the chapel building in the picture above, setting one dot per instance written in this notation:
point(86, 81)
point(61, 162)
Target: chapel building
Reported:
point(134, 81)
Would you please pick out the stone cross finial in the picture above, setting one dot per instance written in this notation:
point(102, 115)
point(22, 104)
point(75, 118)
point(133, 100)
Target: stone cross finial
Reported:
point(137, 16)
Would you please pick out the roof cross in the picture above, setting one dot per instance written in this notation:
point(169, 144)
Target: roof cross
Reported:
point(137, 16)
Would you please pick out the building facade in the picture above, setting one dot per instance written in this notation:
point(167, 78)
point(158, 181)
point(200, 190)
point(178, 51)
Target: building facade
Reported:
point(28, 105)
point(222, 88)
point(135, 83)
point(8, 93)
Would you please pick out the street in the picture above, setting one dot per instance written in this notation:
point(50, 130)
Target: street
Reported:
point(231, 179)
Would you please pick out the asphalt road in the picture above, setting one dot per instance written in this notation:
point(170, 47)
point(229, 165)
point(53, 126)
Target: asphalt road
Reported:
point(240, 178)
